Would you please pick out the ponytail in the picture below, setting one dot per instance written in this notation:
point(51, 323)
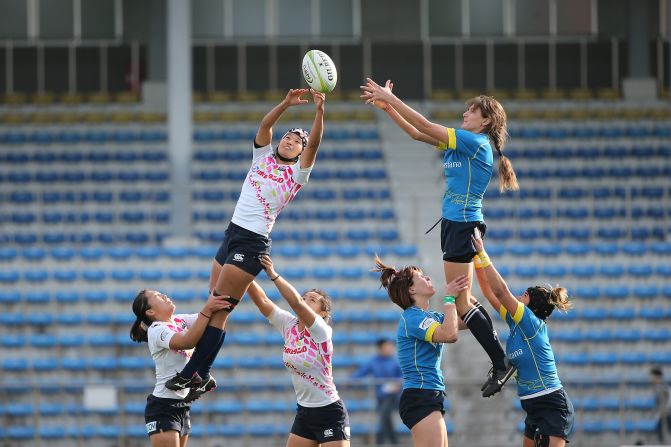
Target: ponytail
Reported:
point(559, 297)
point(138, 332)
point(497, 130)
point(397, 282)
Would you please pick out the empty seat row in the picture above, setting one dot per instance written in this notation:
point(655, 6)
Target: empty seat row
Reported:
point(597, 192)
point(609, 335)
point(608, 403)
point(95, 176)
point(615, 314)
point(605, 249)
point(100, 217)
point(599, 426)
point(580, 233)
point(81, 197)
point(580, 212)
point(585, 271)
point(612, 152)
point(75, 157)
point(93, 136)
point(84, 237)
point(610, 358)
point(594, 172)
point(577, 131)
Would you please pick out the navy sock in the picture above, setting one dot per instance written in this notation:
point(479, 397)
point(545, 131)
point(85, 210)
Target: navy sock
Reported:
point(206, 344)
point(484, 333)
point(481, 308)
point(204, 371)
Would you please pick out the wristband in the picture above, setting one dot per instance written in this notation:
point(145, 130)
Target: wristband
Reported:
point(477, 262)
point(484, 260)
point(273, 279)
point(448, 299)
point(206, 316)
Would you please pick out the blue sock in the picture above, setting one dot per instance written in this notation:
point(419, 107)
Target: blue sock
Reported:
point(207, 343)
point(204, 371)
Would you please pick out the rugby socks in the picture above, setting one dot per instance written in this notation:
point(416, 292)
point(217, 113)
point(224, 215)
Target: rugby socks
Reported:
point(210, 341)
point(204, 371)
point(480, 325)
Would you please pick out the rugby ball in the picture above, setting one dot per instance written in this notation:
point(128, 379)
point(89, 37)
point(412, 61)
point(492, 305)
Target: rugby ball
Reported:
point(319, 71)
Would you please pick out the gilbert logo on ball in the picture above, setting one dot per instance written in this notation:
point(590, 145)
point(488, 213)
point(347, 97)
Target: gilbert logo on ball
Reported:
point(319, 71)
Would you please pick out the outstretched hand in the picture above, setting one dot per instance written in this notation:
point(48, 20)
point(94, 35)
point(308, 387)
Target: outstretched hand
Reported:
point(268, 266)
point(372, 91)
point(318, 99)
point(379, 103)
point(293, 97)
point(457, 285)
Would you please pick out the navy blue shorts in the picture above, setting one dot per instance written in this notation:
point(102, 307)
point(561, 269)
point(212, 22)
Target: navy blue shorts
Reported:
point(322, 424)
point(416, 404)
point(549, 415)
point(163, 414)
point(243, 248)
point(455, 240)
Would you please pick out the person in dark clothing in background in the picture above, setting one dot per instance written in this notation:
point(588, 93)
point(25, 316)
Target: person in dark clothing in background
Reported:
point(662, 403)
point(384, 365)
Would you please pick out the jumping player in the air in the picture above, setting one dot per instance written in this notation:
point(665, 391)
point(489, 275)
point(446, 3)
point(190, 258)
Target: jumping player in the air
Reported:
point(467, 162)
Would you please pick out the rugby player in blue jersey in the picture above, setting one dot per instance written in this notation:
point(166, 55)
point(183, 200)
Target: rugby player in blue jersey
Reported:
point(549, 410)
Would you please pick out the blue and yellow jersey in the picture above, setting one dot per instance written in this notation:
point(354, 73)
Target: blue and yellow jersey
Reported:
point(418, 357)
point(529, 349)
point(468, 162)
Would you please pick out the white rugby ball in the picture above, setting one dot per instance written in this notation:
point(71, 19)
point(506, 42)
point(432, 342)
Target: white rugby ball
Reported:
point(319, 71)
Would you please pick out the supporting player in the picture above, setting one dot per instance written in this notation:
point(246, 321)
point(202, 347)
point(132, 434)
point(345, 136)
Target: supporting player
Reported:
point(170, 338)
point(549, 410)
point(321, 417)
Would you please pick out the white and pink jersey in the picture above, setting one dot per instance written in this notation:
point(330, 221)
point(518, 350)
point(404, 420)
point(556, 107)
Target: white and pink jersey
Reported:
point(268, 188)
point(307, 356)
point(168, 361)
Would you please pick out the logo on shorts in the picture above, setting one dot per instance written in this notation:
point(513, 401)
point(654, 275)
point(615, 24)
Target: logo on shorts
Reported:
point(239, 257)
point(328, 433)
point(151, 427)
point(347, 432)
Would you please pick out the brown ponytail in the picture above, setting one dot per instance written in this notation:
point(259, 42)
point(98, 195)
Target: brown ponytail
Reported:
point(497, 130)
point(397, 282)
point(138, 333)
point(559, 298)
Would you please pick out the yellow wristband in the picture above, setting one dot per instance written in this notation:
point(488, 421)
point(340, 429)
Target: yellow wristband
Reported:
point(477, 262)
point(484, 261)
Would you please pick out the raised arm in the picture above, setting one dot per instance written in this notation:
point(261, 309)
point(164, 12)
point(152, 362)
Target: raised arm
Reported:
point(448, 331)
point(400, 121)
point(188, 339)
point(498, 287)
point(260, 299)
point(265, 133)
point(484, 284)
point(289, 293)
point(316, 132)
point(374, 92)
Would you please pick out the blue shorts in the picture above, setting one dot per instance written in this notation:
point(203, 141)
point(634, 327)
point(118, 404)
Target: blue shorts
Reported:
point(243, 248)
point(163, 414)
point(416, 404)
point(549, 415)
point(322, 424)
point(455, 240)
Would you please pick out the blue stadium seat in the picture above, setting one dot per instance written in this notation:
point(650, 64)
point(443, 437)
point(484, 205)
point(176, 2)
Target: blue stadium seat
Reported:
point(67, 296)
point(38, 297)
